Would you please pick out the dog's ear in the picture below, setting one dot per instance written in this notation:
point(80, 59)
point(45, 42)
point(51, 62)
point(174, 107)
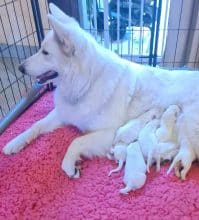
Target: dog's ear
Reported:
point(61, 16)
point(67, 36)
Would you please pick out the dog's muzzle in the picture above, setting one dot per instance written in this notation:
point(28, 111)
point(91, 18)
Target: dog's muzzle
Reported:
point(44, 77)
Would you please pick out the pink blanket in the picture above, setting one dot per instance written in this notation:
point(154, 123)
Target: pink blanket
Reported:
point(33, 186)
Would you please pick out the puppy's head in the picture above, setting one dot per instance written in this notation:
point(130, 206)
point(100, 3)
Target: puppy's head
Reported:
point(61, 46)
point(173, 110)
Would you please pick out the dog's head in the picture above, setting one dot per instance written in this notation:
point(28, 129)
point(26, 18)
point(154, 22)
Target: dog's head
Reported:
point(63, 45)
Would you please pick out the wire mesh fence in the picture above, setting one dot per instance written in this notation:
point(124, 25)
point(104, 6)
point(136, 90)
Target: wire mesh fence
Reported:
point(18, 40)
point(154, 32)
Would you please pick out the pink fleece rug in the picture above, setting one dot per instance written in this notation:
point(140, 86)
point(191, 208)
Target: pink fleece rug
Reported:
point(33, 186)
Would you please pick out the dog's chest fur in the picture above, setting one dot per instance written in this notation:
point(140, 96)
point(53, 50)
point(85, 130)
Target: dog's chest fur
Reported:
point(104, 106)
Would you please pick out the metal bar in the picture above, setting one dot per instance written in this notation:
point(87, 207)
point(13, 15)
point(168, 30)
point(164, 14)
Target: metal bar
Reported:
point(197, 55)
point(47, 11)
point(38, 22)
point(118, 26)
point(95, 18)
point(30, 49)
point(17, 22)
point(129, 28)
point(35, 93)
point(106, 27)
point(7, 3)
point(174, 60)
point(12, 83)
point(141, 27)
point(5, 94)
point(152, 33)
point(157, 32)
point(4, 63)
point(165, 25)
point(31, 24)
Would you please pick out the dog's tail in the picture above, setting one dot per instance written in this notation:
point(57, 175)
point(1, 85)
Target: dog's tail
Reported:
point(175, 160)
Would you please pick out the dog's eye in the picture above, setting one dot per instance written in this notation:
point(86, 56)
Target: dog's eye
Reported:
point(45, 52)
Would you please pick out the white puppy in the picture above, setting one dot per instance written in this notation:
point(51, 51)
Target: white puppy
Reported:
point(135, 169)
point(130, 131)
point(119, 154)
point(167, 135)
point(148, 141)
point(167, 130)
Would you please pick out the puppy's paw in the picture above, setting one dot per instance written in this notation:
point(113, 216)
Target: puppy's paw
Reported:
point(110, 173)
point(123, 191)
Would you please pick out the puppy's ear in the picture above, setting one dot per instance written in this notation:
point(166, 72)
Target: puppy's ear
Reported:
point(66, 35)
point(61, 16)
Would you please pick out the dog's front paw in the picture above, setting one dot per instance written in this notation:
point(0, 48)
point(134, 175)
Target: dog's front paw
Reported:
point(14, 146)
point(68, 166)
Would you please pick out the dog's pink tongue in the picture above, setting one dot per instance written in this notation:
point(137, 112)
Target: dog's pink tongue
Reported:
point(46, 76)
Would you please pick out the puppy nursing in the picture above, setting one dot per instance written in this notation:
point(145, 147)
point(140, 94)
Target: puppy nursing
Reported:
point(167, 130)
point(119, 153)
point(130, 131)
point(148, 141)
point(157, 139)
point(166, 135)
point(135, 169)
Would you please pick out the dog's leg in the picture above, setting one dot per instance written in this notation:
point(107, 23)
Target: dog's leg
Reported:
point(126, 189)
point(47, 124)
point(186, 163)
point(158, 159)
point(149, 160)
point(175, 161)
point(185, 170)
point(93, 144)
point(121, 162)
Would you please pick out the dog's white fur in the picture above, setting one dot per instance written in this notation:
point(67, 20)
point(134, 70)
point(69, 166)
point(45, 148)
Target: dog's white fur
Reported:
point(98, 91)
point(119, 154)
point(135, 169)
point(130, 131)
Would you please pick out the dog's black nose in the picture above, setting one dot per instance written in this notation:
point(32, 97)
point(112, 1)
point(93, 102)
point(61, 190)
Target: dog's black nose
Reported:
point(22, 69)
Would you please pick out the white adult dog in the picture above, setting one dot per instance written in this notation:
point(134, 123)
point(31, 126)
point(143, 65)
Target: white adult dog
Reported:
point(97, 91)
